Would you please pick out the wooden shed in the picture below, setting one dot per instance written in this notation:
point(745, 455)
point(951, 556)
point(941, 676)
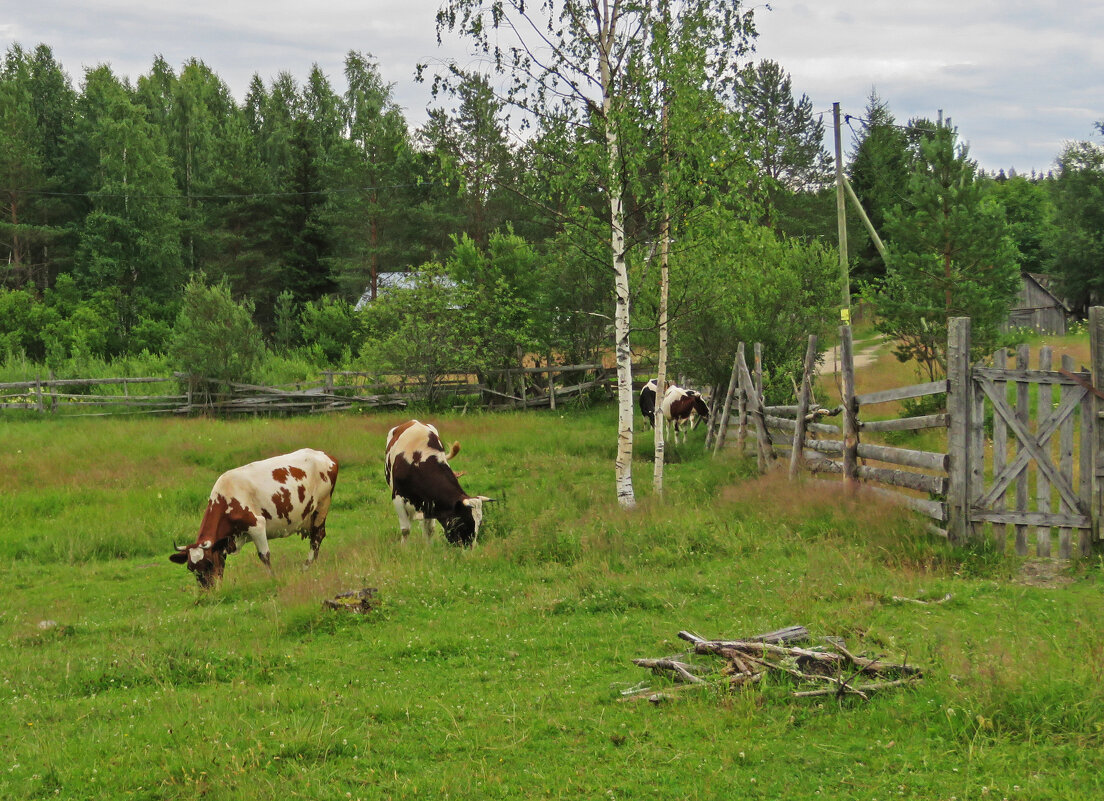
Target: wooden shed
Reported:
point(1037, 307)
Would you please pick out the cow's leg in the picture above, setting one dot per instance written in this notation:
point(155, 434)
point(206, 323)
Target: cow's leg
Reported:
point(427, 527)
point(404, 517)
point(317, 534)
point(259, 536)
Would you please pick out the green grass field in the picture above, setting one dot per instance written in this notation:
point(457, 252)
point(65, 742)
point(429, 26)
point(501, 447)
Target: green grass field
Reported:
point(498, 673)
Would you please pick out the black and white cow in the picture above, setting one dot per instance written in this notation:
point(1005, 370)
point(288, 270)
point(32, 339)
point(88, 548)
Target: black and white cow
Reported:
point(263, 500)
point(422, 482)
point(648, 403)
point(682, 409)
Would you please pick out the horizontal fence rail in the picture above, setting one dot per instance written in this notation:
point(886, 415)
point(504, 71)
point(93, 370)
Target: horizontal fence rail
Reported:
point(334, 390)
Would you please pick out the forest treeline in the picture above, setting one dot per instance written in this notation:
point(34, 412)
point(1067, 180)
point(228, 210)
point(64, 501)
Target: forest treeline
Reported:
point(145, 220)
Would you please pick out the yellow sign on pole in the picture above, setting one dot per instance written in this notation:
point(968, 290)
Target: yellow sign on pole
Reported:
point(845, 316)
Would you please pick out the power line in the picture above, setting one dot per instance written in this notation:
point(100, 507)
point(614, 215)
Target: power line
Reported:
point(94, 195)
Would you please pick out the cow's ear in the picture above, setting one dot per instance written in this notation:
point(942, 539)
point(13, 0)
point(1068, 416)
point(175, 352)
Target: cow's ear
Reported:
point(180, 557)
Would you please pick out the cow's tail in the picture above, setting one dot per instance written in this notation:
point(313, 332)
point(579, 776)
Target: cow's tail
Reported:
point(455, 449)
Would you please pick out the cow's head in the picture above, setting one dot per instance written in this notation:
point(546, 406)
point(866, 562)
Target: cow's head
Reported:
point(699, 411)
point(461, 523)
point(205, 559)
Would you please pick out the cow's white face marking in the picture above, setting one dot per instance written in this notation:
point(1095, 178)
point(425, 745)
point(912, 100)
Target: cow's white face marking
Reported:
point(195, 555)
point(476, 505)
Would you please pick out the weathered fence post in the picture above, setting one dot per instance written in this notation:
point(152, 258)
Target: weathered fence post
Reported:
point(733, 381)
point(803, 406)
point(1096, 349)
point(959, 407)
point(741, 406)
point(759, 371)
point(850, 409)
point(39, 405)
point(765, 448)
point(551, 383)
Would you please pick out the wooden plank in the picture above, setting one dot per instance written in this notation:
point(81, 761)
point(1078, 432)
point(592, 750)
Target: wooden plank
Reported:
point(1000, 449)
point(959, 408)
point(817, 464)
point(84, 382)
point(925, 460)
point(1023, 400)
point(825, 445)
point(936, 510)
point(1027, 518)
point(786, 424)
point(902, 393)
point(1085, 448)
point(1065, 463)
point(977, 451)
point(907, 423)
point(1042, 485)
point(1096, 355)
point(1040, 376)
point(904, 478)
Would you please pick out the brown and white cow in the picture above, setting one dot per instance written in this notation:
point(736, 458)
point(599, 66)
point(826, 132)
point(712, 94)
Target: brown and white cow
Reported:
point(263, 500)
point(421, 481)
point(682, 409)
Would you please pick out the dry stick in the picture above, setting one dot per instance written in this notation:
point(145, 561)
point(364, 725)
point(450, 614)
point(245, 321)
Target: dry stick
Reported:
point(859, 689)
point(680, 669)
point(841, 684)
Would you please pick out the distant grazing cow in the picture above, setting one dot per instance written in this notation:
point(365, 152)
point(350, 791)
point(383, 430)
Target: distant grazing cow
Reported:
point(648, 403)
point(421, 480)
point(682, 409)
point(259, 501)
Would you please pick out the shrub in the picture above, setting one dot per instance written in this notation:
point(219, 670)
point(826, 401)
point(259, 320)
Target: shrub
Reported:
point(215, 336)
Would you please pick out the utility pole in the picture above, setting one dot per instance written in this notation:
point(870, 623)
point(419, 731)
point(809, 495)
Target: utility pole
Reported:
point(841, 222)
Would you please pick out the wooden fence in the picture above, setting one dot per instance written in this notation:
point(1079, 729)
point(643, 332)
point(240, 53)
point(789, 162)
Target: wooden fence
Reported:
point(1024, 446)
point(332, 391)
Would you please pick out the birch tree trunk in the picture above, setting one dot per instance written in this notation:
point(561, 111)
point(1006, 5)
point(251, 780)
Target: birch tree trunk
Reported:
point(626, 496)
point(664, 285)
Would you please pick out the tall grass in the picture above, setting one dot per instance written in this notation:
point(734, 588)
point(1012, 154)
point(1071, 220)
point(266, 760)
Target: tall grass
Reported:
point(497, 673)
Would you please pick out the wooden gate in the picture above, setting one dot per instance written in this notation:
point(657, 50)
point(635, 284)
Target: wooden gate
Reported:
point(1024, 448)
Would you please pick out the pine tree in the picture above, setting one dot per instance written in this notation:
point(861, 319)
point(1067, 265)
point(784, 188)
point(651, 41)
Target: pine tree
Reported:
point(950, 255)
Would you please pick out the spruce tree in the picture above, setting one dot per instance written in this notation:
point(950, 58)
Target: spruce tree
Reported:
point(951, 255)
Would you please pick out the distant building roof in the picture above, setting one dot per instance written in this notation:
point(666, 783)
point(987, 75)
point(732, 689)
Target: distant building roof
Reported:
point(389, 282)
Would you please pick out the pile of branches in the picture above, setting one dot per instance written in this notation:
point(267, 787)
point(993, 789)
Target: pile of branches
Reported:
point(825, 670)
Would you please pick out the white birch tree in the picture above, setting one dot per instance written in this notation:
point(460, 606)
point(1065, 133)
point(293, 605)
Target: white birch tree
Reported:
point(595, 66)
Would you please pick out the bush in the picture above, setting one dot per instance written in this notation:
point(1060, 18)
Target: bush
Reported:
point(331, 330)
point(215, 337)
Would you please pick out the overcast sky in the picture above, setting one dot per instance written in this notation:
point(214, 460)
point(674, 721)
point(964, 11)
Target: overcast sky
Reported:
point(1018, 79)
